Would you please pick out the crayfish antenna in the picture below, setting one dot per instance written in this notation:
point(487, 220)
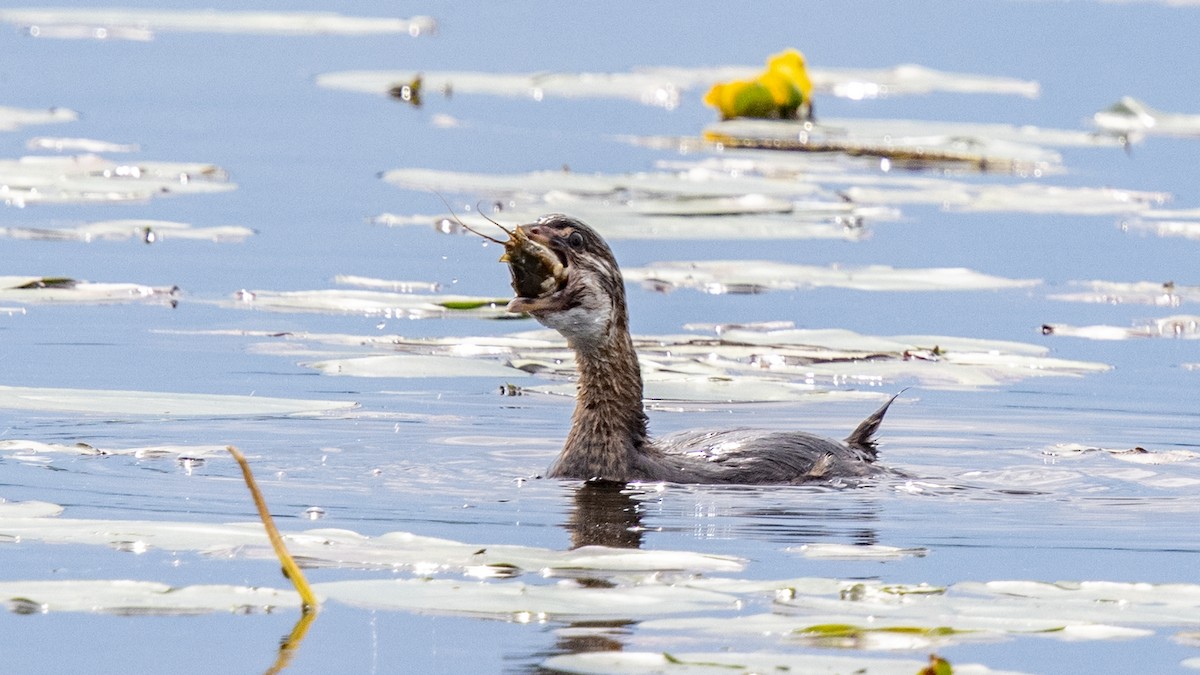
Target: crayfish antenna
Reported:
point(470, 229)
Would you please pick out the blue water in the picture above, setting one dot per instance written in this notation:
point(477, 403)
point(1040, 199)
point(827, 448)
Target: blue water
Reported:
point(306, 161)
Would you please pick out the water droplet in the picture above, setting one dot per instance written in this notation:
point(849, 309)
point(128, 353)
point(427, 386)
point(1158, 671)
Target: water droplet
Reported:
point(314, 513)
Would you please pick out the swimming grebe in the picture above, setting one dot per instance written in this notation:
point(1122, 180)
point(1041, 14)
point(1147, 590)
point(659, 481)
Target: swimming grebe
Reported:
point(580, 293)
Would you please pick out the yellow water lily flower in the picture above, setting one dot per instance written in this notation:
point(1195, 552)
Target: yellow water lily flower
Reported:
point(780, 91)
point(741, 98)
point(789, 64)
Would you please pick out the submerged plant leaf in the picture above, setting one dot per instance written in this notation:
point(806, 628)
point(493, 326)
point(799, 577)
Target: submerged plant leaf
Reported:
point(141, 24)
point(12, 119)
point(754, 276)
point(148, 231)
point(86, 179)
point(159, 404)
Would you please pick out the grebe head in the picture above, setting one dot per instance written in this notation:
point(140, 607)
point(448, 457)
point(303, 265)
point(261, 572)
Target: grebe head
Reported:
point(588, 308)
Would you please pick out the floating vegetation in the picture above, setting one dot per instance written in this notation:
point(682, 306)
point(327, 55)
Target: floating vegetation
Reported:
point(350, 550)
point(858, 552)
point(912, 143)
point(662, 86)
point(525, 603)
point(1131, 118)
point(59, 144)
point(828, 220)
point(388, 284)
point(1020, 198)
point(159, 404)
point(141, 25)
point(63, 290)
point(371, 303)
point(147, 231)
point(1166, 223)
point(89, 178)
point(12, 119)
point(1182, 326)
point(757, 276)
point(1164, 294)
point(728, 364)
point(413, 365)
point(717, 663)
point(698, 203)
point(139, 598)
point(1136, 455)
point(24, 449)
point(929, 150)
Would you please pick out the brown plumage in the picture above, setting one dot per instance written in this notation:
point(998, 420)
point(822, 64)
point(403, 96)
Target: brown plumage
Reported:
point(608, 437)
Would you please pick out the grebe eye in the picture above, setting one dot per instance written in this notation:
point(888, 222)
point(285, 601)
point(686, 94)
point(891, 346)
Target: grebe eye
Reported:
point(575, 240)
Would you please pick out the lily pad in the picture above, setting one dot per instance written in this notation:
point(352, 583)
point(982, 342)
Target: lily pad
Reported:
point(854, 552)
point(148, 231)
point(141, 24)
point(371, 303)
point(521, 602)
point(1183, 223)
point(662, 86)
point(1183, 326)
point(140, 598)
point(347, 549)
point(723, 663)
point(413, 365)
point(60, 144)
point(1131, 117)
point(159, 404)
point(27, 448)
point(755, 276)
point(1020, 198)
point(904, 143)
point(738, 364)
point(1168, 294)
point(41, 290)
point(1137, 455)
point(12, 119)
point(88, 178)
